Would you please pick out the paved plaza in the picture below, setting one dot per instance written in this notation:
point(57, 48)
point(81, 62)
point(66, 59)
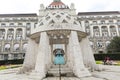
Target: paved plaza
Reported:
point(111, 73)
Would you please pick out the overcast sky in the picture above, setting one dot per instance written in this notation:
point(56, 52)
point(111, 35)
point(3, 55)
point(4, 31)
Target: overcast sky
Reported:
point(32, 6)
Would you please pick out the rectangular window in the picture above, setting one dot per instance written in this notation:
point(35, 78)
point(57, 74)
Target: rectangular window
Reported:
point(102, 22)
point(3, 24)
point(15, 56)
point(20, 24)
point(94, 22)
point(11, 24)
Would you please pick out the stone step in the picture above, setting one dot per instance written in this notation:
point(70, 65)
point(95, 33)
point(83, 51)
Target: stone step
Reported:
point(57, 66)
point(64, 70)
point(61, 70)
point(57, 73)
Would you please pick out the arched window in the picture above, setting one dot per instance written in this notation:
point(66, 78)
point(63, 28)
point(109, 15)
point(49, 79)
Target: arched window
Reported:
point(86, 23)
point(107, 43)
point(10, 34)
point(7, 47)
point(25, 46)
point(28, 25)
point(99, 44)
point(16, 47)
point(19, 33)
point(96, 31)
point(113, 31)
point(2, 34)
point(104, 31)
point(35, 25)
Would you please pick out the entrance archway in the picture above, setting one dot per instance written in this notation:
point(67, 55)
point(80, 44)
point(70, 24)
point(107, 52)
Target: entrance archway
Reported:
point(59, 57)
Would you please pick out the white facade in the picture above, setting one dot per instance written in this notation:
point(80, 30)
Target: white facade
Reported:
point(14, 29)
point(101, 27)
point(56, 26)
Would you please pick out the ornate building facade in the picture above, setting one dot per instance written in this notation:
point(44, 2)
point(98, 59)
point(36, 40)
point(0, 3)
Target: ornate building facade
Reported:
point(101, 27)
point(15, 28)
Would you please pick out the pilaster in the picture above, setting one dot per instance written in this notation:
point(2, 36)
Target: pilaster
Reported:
point(109, 31)
point(117, 30)
point(91, 31)
point(100, 31)
point(23, 35)
point(6, 32)
point(14, 37)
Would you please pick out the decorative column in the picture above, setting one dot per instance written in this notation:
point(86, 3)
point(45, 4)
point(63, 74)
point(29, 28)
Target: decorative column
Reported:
point(117, 30)
point(40, 67)
point(14, 37)
point(100, 31)
point(24, 31)
point(79, 68)
point(91, 31)
point(88, 55)
point(30, 57)
point(109, 31)
point(6, 33)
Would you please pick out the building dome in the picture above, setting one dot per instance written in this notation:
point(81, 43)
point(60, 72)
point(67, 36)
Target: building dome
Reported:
point(57, 4)
point(57, 20)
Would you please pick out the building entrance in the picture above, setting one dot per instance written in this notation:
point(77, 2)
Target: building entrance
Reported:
point(59, 57)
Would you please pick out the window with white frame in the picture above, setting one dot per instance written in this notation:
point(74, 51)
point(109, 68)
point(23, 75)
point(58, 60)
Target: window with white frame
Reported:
point(99, 44)
point(107, 43)
point(25, 46)
point(16, 47)
point(105, 34)
point(102, 22)
point(10, 37)
point(114, 34)
point(3, 24)
point(7, 47)
point(97, 34)
point(118, 21)
point(94, 22)
point(20, 24)
point(11, 24)
point(111, 21)
point(86, 23)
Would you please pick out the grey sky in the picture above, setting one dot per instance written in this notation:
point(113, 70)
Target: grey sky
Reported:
point(32, 6)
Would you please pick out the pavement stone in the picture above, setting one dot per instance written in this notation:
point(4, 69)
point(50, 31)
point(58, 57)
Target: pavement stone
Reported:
point(111, 73)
